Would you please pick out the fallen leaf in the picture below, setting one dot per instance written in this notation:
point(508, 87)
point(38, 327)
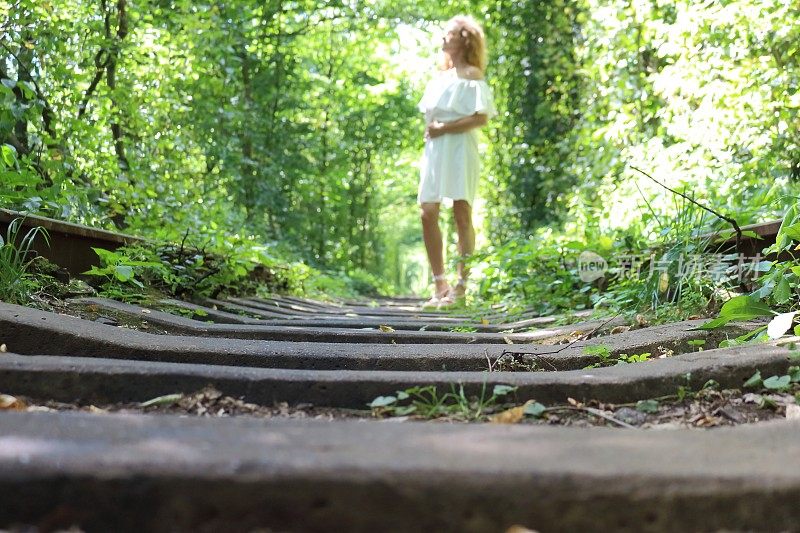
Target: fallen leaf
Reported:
point(663, 282)
point(704, 420)
point(792, 411)
point(386, 329)
point(731, 414)
point(510, 416)
point(3, 348)
point(11, 403)
point(97, 410)
point(146, 311)
point(752, 398)
point(508, 341)
point(484, 321)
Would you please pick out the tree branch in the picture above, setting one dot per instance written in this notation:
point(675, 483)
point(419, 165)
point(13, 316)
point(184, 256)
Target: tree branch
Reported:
point(728, 219)
point(98, 75)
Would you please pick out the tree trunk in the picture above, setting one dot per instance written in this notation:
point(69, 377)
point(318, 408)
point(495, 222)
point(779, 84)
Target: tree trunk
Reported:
point(117, 133)
point(247, 167)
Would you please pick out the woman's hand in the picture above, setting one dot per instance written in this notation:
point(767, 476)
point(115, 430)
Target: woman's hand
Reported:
point(434, 129)
point(437, 129)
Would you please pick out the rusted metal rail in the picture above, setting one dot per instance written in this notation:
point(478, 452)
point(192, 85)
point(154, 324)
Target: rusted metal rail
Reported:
point(749, 246)
point(70, 244)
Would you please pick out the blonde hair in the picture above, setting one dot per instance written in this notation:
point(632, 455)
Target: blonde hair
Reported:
point(474, 43)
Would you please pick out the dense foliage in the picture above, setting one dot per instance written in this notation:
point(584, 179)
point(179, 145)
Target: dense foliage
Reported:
point(288, 130)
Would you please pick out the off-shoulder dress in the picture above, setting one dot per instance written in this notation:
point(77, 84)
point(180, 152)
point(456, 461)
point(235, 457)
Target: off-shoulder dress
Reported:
point(450, 164)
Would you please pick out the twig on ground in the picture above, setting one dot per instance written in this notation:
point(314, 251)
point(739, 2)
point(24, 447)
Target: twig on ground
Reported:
point(592, 411)
point(585, 337)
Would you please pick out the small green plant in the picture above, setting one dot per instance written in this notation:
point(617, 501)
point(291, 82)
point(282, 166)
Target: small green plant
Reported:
point(624, 358)
point(16, 282)
point(118, 273)
point(603, 352)
point(697, 343)
point(426, 402)
point(463, 329)
point(600, 351)
point(774, 383)
point(751, 337)
point(739, 308)
point(780, 283)
point(647, 406)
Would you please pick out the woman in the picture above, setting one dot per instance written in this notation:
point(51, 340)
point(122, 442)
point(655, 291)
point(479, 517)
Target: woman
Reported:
point(456, 103)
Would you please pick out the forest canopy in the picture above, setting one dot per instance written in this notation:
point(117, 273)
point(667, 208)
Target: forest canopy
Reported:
point(292, 126)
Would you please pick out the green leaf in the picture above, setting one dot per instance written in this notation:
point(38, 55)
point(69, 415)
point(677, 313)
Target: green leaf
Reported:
point(142, 263)
point(168, 399)
point(9, 154)
point(502, 390)
point(752, 234)
point(647, 406)
point(777, 382)
point(27, 88)
point(794, 374)
point(743, 307)
point(754, 382)
point(534, 409)
point(696, 342)
point(793, 231)
point(123, 273)
point(599, 349)
point(783, 291)
point(383, 401)
point(107, 257)
point(763, 266)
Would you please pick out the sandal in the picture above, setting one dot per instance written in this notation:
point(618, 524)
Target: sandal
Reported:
point(438, 296)
point(454, 297)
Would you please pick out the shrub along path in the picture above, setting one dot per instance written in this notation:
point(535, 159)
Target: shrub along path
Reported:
point(264, 434)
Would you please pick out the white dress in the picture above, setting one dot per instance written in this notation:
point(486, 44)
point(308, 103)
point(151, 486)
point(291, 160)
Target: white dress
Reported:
point(450, 164)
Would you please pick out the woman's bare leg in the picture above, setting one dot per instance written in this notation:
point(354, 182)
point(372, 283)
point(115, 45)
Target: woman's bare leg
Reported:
point(462, 212)
point(432, 235)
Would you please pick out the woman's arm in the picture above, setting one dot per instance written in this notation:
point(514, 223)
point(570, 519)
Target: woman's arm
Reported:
point(437, 129)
